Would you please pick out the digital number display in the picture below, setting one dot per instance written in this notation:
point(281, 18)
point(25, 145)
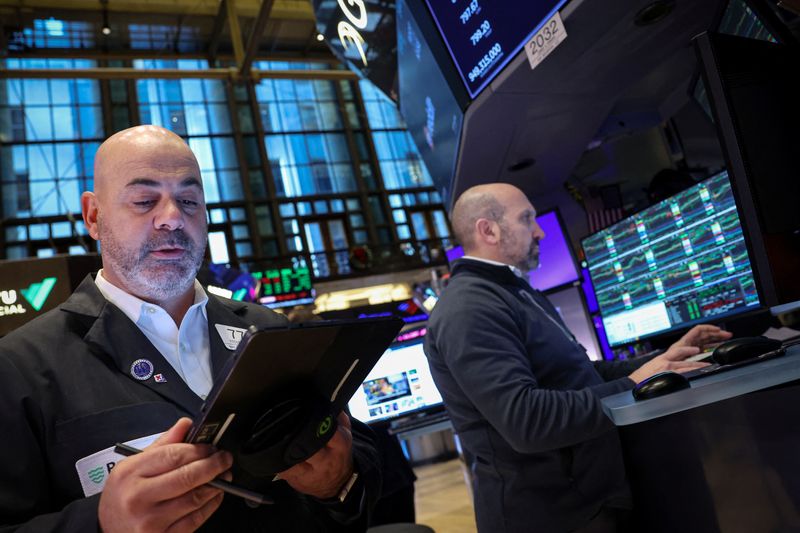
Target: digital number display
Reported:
point(483, 36)
point(285, 286)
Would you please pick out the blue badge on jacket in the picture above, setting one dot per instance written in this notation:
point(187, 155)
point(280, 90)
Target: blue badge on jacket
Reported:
point(142, 369)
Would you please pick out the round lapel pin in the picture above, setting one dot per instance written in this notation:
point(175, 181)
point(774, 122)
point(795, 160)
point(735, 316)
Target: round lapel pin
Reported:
point(142, 369)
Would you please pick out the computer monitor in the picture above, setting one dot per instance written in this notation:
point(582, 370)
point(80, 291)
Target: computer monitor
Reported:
point(753, 87)
point(679, 262)
point(557, 265)
point(284, 287)
point(400, 384)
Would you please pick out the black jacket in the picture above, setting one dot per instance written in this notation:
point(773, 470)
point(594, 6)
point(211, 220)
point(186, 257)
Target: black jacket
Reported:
point(525, 401)
point(66, 392)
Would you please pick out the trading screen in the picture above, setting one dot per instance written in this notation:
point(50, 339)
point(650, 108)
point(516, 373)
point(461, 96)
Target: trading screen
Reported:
point(681, 261)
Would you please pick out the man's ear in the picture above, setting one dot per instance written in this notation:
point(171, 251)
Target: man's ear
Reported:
point(487, 231)
point(90, 212)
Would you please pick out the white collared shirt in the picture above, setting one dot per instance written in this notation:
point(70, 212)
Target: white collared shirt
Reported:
point(513, 269)
point(186, 348)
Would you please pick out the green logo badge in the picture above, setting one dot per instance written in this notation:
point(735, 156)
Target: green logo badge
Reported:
point(97, 474)
point(325, 426)
point(37, 293)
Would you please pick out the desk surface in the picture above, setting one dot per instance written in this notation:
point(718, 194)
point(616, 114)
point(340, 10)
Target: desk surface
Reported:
point(624, 410)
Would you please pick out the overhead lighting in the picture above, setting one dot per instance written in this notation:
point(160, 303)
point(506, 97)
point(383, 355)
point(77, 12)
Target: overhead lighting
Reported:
point(320, 37)
point(105, 28)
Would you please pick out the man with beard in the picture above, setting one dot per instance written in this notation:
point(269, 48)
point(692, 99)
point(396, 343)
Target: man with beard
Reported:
point(127, 358)
point(521, 392)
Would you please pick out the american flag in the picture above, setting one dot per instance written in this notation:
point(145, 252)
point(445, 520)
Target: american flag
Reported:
point(602, 218)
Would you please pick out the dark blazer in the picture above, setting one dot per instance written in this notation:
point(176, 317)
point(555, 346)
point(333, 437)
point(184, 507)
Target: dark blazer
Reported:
point(67, 391)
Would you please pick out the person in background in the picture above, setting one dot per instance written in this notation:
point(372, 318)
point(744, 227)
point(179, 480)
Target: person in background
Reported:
point(523, 396)
point(130, 357)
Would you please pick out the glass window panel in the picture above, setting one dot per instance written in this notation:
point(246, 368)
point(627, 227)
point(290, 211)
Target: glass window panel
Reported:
point(357, 221)
point(38, 126)
point(264, 221)
point(237, 214)
point(321, 207)
point(440, 224)
point(219, 118)
point(420, 226)
point(218, 247)
point(337, 206)
point(192, 90)
point(214, 90)
point(251, 155)
point(241, 231)
point(91, 121)
point(61, 92)
point(290, 227)
point(399, 216)
point(269, 247)
point(41, 253)
point(16, 233)
point(64, 125)
point(360, 236)
point(35, 92)
point(338, 234)
point(314, 237)
point(16, 252)
point(304, 208)
point(353, 204)
point(218, 216)
point(61, 229)
point(230, 184)
point(244, 249)
point(286, 210)
point(38, 231)
point(196, 119)
point(294, 244)
point(403, 233)
point(258, 189)
point(377, 210)
point(245, 119)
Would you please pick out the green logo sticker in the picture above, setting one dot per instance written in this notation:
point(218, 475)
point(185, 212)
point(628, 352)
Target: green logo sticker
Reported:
point(37, 293)
point(325, 426)
point(97, 474)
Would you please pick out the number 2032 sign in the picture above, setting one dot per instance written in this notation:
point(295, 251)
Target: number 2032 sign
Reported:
point(544, 41)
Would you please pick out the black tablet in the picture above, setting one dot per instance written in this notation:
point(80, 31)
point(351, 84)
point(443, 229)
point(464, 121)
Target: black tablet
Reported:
point(275, 404)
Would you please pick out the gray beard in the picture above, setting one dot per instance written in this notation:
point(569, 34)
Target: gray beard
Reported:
point(146, 277)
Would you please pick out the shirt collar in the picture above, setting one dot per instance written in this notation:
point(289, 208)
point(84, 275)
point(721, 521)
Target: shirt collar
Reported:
point(513, 269)
point(133, 306)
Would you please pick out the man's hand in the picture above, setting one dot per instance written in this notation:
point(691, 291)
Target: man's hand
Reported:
point(690, 344)
point(324, 474)
point(703, 336)
point(162, 488)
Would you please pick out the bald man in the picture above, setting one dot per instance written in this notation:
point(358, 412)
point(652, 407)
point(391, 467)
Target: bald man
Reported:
point(521, 392)
point(130, 357)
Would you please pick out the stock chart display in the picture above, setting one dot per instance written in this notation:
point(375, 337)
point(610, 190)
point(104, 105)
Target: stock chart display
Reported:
point(483, 36)
point(681, 261)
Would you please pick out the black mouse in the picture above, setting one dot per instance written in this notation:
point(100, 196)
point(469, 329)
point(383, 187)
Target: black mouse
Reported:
point(659, 385)
point(743, 348)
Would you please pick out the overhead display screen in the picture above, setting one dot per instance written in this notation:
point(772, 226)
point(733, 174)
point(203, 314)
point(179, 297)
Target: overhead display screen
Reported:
point(427, 104)
point(483, 36)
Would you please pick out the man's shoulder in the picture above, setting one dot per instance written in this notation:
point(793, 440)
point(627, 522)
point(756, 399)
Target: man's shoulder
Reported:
point(251, 312)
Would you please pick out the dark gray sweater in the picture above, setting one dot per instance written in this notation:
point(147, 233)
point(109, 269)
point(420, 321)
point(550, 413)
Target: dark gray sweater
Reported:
point(525, 401)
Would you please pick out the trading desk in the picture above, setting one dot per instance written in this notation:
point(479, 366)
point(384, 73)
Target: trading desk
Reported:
point(721, 456)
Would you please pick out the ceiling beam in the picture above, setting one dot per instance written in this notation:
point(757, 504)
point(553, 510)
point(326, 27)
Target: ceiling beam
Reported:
point(235, 31)
point(283, 9)
point(82, 53)
point(216, 32)
point(255, 35)
point(141, 74)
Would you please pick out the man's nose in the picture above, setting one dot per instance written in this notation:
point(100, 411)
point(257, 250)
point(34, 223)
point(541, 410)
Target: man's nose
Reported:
point(538, 232)
point(168, 216)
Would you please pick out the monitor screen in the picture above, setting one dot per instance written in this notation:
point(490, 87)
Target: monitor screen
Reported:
point(557, 264)
point(284, 287)
point(679, 262)
point(483, 37)
point(427, 103)
point(569, 304)
point(400, 384)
